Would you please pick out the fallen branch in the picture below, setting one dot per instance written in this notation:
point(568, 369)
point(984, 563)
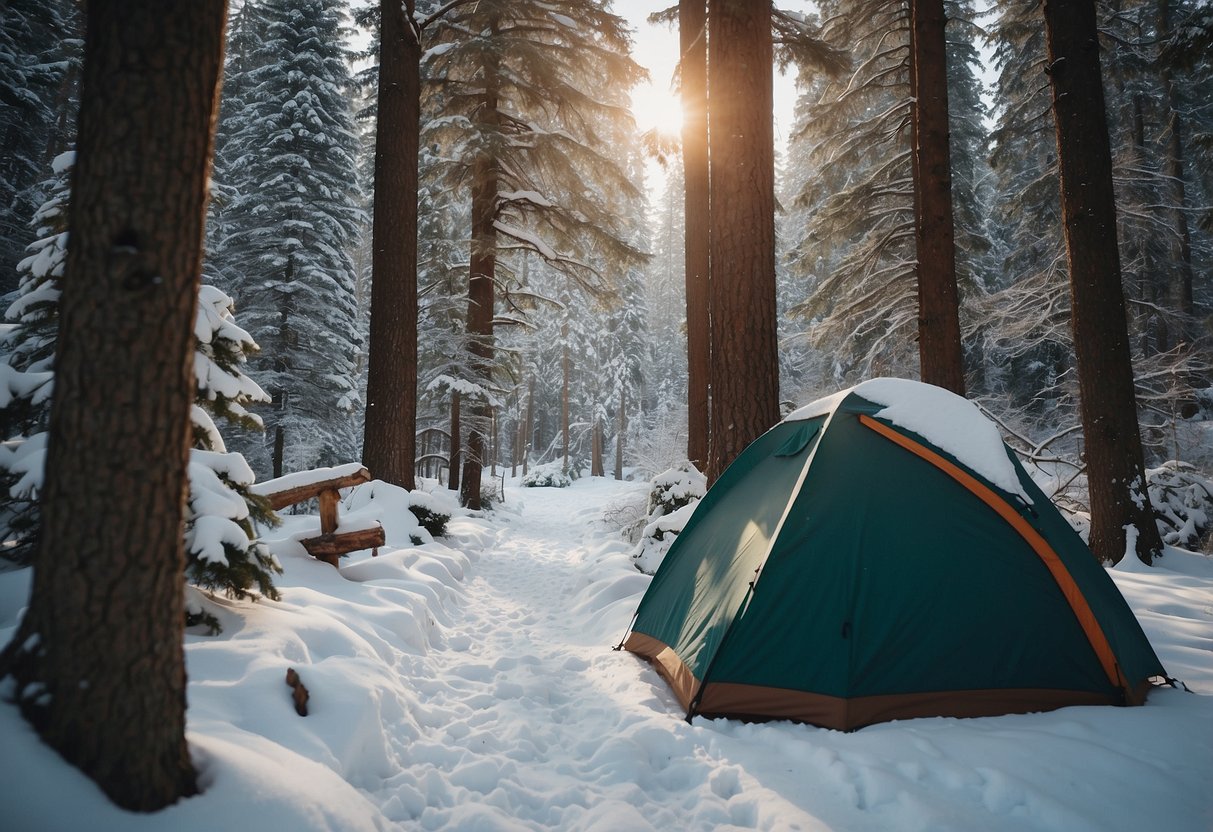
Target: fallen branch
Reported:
point(298, 691)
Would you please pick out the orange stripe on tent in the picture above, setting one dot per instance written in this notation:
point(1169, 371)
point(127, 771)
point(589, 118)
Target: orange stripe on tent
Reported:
point(1065, 581)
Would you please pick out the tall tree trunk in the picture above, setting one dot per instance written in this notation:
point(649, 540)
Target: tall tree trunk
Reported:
point(481, 293)
point(98, 660)
point(693, 38)
point(597, 469)
point(279, 451)
point(390, 444)
point(1115, 466)
point(564, 395)
point(741, 159)
point(530, 427)
point(454, 463)
point(516, 442)
point(941, 356)
point(541, 421)
point(623, 426)
point(493, 452)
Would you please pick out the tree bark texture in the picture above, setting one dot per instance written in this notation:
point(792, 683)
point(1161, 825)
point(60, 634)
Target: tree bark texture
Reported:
point(597, 469)
point(518, 429)
point(279, 451)
point(1115, 467)
point(455, 460)
point(693, 37)
point(529, 432)
point(623, 426)
point(390, 444)
point(564, 396)
point(741, 289)
point(941, 357)
point(98, 659)
point(481, 293)
point(494, 451)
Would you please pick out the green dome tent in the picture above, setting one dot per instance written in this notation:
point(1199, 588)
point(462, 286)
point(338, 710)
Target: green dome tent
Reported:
point(880, 555)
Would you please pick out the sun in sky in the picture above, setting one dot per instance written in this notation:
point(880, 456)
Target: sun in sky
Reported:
point(656, 107)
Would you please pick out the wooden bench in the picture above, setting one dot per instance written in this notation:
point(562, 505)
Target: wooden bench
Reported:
point(324, 484)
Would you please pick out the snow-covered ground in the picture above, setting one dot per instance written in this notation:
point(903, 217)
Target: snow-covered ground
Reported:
point(470, 684)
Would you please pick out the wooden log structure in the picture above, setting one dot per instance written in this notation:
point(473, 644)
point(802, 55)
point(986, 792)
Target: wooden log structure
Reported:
point(329, 545)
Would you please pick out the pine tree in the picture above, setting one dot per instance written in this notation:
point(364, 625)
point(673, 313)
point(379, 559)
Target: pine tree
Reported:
point(858, 248)
point(222, 551)
point(1149, 121)
point(442, 278)
point(1116, 471)
point(291, 223)
point(246, 28)
point(851, 148)
point(29, 366)
point(1025, 323)
point(803, 369)
point(520, 86)
point(391, 406)
point(970, 178)
point(627, 345)
point(34, 313)
point(39, 68)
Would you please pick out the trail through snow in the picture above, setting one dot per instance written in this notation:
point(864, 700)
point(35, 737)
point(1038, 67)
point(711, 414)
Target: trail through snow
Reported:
point(532, 720)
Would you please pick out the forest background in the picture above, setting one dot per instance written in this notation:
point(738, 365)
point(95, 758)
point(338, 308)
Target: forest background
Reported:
point(589, 317)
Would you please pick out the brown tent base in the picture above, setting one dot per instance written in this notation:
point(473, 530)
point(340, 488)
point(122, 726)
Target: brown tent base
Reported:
point(756, 703)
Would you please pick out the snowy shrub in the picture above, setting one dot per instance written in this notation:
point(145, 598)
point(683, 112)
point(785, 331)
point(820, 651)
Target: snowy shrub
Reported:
point(222, 549)
point(425, 507)
point(658, 536)
point(676, 487)
point(1183, 502)
point(673, 496)
point(547, 476)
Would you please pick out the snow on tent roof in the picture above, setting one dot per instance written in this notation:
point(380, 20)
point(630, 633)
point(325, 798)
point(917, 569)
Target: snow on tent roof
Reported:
point(946, 420)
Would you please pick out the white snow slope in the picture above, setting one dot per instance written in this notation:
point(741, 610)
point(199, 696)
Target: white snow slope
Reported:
point(473, 687)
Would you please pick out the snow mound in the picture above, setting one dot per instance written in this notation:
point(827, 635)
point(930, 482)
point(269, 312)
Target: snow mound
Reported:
point(549, 475)
point(389, 505)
